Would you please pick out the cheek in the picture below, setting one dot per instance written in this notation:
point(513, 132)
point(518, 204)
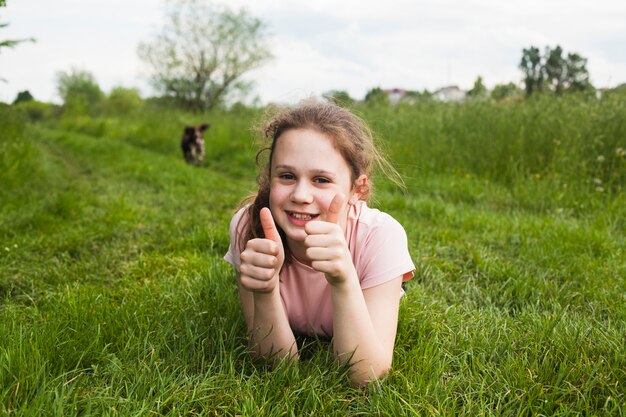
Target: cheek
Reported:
point(277, 197)
point(272, 201)
point(325, 200)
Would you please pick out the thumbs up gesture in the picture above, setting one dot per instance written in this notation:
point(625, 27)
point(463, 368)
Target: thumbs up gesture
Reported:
point(262, 259)
point(326, 246)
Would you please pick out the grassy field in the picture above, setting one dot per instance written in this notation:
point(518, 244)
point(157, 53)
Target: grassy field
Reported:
point(115, 300)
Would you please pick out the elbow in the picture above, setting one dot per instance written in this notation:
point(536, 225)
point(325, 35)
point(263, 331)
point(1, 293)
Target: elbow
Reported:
point(360, 377)
point(273, 356)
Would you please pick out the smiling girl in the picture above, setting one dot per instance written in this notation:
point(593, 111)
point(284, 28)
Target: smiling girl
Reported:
point(311, 257)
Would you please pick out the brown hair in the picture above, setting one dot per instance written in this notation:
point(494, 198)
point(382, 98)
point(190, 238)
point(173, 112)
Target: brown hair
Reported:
point(351, 136)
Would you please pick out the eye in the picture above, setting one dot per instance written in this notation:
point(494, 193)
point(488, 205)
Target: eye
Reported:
point(285, 176)
point(322, 180)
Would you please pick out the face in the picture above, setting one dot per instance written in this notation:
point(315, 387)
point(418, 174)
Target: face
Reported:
point(306, 174)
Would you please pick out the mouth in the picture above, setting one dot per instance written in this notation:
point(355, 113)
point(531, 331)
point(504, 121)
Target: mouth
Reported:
point(302, 217)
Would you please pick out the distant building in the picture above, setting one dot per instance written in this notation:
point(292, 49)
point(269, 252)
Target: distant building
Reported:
point(451, 93)
point(395, 95)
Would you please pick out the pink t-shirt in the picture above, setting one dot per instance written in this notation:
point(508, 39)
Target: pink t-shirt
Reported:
point(379, 249)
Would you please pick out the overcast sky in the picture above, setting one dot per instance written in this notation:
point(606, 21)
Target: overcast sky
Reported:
point(322, 45)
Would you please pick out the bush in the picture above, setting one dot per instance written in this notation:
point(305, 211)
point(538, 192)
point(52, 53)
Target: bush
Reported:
point(37, 111)
point(23, 96)
point(123, 101)
point(80, 92)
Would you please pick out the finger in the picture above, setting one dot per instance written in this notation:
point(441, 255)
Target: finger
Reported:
point(260, 259)
point(322, 240)
point(260, 246)
point(258, 273)
point(322, 254)
point(318, 227)
point(269, 227)
point(334, 210)
point(327, 267)
point(256, 285)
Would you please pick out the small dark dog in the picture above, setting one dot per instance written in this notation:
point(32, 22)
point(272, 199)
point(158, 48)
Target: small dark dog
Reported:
point(193, 143)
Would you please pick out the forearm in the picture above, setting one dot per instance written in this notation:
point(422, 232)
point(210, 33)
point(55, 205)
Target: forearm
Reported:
point(355, 340)
point(271, 336)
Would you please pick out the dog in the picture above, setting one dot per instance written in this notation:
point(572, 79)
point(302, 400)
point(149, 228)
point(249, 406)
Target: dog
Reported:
point(192, 143)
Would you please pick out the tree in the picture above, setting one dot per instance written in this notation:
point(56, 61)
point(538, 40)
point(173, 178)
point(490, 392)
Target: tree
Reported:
point(532, 67)
point(377, 96)
point(340, 97)
point(203, 51)
point(79, 90)
point(553, 71)
point(502, 91)
point(23, 96)
point(414, 96)
point(123, 101)
point(577, 74)
point(554, 68)
point(11, 43)
point(478, 91)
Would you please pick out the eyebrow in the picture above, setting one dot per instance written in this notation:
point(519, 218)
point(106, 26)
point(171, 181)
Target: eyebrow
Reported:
point(314, 171)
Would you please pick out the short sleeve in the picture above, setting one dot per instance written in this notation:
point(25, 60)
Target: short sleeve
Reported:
point(237, 224)
point(384, 253)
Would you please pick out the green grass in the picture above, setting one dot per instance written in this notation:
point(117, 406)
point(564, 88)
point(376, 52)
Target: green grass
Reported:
point(115, 300)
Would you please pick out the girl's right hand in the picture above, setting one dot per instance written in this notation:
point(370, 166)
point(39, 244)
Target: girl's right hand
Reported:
point(262, 259)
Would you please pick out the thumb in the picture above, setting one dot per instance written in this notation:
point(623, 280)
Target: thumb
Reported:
point(269, 228)
point(334, 210)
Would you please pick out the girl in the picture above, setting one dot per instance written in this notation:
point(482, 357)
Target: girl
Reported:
point(311, 257)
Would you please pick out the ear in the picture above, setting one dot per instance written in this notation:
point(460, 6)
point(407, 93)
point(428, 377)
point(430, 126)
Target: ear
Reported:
point(360, 188)
point(204, 127)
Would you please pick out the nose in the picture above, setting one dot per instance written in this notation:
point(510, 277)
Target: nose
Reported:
point(301, 193)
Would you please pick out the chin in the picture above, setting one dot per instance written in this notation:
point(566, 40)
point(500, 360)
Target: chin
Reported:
point(297, 235)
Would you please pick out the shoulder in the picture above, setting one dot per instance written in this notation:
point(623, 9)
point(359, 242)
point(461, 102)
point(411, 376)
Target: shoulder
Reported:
point(238, 225)
point(240, 215)
point(373, 221)
point(370, 230)
point(239, 222)
point(379, 247)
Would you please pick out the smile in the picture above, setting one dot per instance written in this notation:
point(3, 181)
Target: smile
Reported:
point(301, 216)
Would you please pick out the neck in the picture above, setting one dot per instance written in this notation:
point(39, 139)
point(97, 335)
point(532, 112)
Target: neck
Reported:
point(298, 252)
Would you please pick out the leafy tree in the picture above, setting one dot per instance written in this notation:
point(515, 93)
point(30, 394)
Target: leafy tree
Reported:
point(478, 91)
point(203, 51)
point(413, 96)
point(123, 101)
point(577, 74)
point(35, 110)
point(11, 43)
point(553, 71)
point(23, 96)
point(340, 97)
point(79, 90)
point(502, 91)
point(532, 67)
point(376, 96)
point(554, 68)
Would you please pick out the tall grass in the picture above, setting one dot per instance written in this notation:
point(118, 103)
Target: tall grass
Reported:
point(114, 299)
point(547, 152)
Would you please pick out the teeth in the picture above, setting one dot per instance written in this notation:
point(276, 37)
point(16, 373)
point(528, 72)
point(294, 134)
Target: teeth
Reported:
point(301, 216)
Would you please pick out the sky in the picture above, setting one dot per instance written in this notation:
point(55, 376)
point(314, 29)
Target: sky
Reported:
point(321, 45)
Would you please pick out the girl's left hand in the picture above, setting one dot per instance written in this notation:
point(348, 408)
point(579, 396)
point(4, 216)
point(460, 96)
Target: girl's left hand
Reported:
point(326, 246)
